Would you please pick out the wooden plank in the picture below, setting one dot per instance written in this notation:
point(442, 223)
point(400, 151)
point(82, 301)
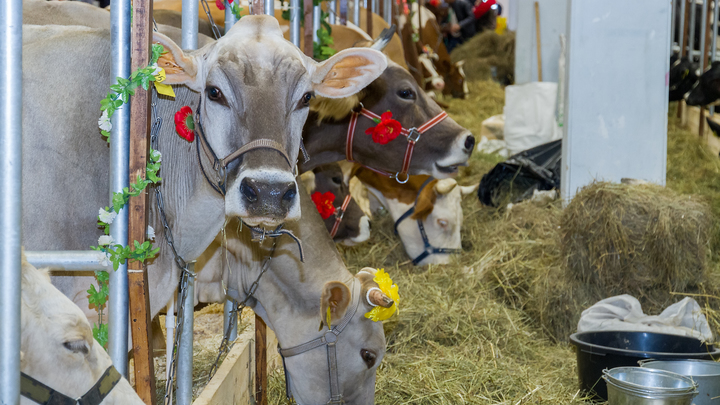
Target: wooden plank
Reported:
point(261, 375)
point(233, 382)
point(369, 20)
point(308, 34)
point(138, 207)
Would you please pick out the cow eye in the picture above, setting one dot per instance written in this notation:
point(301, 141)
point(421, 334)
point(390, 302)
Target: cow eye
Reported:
point(368, 357)
point(406, 94)
point(305, 100)
point(337, 180)
point(77, 346)
point(214, 93)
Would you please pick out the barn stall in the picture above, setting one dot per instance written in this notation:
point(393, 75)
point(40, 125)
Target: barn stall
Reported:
point(492, 326)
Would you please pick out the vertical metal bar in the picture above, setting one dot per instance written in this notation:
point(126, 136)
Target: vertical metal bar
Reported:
point(713, 51)
point(356, 12)
point(185, 350)
point(295, 22)
point(672, 25)
point(375, 6)
point(10, 200)
point(703, 30)
point(170, 336)
point(189, 24)
point(229, 307)
point(691, 34)
point(120, 17)
point(270, 7)
point(387, 12)
point(316, 22)
point(331, 11)
point(683, 17)
point(230, 19)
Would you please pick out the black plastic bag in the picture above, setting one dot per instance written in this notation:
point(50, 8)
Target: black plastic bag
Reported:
point(516, 179)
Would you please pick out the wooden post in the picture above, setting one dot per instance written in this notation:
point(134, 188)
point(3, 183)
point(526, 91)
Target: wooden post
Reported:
point(704, 60)
point(261, 377)
point(369, 20)
point(138, 207)
point(343, 12)
point(308, 7)
point(537, 35)
point(683, 49)
point(420, 4)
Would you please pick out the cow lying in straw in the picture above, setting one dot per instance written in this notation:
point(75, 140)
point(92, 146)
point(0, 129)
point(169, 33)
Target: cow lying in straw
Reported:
point(58, 352)
point(427, 213)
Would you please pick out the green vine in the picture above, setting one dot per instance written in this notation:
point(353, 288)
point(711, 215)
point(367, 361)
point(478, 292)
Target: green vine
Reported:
point(112, 252)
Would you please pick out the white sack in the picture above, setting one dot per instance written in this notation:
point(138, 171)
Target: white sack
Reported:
point(623, 312)
point(530, 115)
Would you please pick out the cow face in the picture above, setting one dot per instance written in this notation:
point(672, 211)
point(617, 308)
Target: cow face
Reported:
point(355, 225)
point(455, 82)
point(254, 85)
point(682, 78)
point(708, 88)
point(57, 346)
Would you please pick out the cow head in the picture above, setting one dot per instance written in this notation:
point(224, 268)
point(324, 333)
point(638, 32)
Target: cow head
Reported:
point(708, 88)
point(455, 81)
point(438, 152)
point(254, 85)
point(682, 78)
point(57, 346)
point(354, 227)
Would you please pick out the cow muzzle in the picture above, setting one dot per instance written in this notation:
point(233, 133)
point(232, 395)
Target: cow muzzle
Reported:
point(264, 198)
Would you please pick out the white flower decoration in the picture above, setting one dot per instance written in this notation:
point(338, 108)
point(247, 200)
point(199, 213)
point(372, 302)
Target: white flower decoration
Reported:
point(104, 121)
point(156, 68)
point(150, 233)
point(107, 217)
point(104, 259)
point(105, 240)
point(155, 155)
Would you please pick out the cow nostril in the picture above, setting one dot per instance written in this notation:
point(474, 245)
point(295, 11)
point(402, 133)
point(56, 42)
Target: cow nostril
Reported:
point(290, 194)
point(469, 142)
point(248, 191)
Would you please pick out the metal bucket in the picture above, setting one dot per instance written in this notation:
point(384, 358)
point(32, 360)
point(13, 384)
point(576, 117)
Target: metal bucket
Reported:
point(643, 386)
point(706, 375)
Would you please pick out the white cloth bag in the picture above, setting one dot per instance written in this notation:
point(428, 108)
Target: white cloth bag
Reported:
point(530, 115)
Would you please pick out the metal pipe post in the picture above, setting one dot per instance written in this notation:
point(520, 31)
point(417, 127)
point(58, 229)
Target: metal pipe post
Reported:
point(170, 336)
point(691, 33)
point(185, 350)
point(356, 12)
point(189, 24)
point(120, 17)
point(10, 201)
point(295, 22)
point(387, 11)
point(67, 260)
point(317, 13)
point(672, 25)
point(375, 6)
point(703, 31)
point(332, 15)
point(230, 19)
point(229, 307)
point(270, 7)
point(713, 51)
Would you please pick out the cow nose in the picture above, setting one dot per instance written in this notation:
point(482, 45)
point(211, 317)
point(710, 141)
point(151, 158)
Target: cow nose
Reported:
point(264, 195)
point(469, 143)
point(248, 190)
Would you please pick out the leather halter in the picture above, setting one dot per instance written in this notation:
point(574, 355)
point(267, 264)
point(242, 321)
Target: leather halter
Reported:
point(339, 214)
point(412, 135)
point(42, 394)
point(328, 339)
point(219, 166)
point(429, 249)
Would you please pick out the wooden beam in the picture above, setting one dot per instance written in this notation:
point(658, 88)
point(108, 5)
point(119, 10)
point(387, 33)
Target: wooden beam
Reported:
point(369, 20)
point(261, 376)
point(538, 39)
point(138, 207)
point(308, 7)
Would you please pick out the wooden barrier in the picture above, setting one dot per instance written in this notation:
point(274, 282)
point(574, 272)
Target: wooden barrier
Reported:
point(234, 382)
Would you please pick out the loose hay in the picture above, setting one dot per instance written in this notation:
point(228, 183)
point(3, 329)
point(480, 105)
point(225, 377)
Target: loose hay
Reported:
point(485, 51)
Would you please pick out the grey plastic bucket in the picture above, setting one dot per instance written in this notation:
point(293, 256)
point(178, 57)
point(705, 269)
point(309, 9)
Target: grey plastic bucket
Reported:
point(706, 375)
point(643, 386)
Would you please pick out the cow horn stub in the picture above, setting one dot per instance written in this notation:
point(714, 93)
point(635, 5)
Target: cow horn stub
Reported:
point(445, 186)
point(375, 297)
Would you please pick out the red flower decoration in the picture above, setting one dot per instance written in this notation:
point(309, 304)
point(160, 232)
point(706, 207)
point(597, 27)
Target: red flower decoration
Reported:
point(386, 129)
point(220, 4)
point(324, 203)
point(434, 3)
point(184, 124)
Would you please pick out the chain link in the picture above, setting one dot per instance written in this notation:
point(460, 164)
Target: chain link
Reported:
point(225, 345)
point(215, 29)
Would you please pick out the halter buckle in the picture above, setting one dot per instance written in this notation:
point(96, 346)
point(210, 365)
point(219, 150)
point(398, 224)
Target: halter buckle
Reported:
point(339, 214)
point(397, 177)
point(413, 135)
point(330, 337)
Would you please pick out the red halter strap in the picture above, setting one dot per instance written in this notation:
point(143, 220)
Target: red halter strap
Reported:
point(339, 213)
point(412, 135)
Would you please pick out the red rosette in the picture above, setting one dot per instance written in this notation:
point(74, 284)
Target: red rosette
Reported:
point(184, 124)
point(324, 203)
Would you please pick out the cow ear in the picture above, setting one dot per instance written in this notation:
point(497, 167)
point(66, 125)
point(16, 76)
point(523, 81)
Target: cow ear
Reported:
point(179, 67)
point(335, 297)
point(347, 72)
point(425, 201)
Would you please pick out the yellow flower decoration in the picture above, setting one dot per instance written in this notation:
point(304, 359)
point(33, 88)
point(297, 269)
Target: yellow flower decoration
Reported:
point(386, 285)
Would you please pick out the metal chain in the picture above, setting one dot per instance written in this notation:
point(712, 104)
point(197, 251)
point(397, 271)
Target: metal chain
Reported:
point(225, 345)
point(215, 29)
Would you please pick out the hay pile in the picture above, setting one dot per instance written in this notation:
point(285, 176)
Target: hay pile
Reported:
point(487, 50)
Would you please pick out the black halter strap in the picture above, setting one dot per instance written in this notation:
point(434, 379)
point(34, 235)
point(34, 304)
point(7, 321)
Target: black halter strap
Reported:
point(42, 394)
point(428, 248)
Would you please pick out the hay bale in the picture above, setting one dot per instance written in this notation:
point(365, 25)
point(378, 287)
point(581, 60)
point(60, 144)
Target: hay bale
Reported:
point(487, 50)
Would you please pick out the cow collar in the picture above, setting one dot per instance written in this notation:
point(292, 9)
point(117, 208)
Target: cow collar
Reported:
point(42, 394)
point(412, 135)
point(429, 249)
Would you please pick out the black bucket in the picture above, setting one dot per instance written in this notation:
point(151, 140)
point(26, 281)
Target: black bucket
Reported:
point(600, 350)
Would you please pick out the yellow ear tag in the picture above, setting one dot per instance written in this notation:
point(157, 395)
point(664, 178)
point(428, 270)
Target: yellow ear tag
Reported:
point(329, 317)
point(386, 285)
point(164, 89)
